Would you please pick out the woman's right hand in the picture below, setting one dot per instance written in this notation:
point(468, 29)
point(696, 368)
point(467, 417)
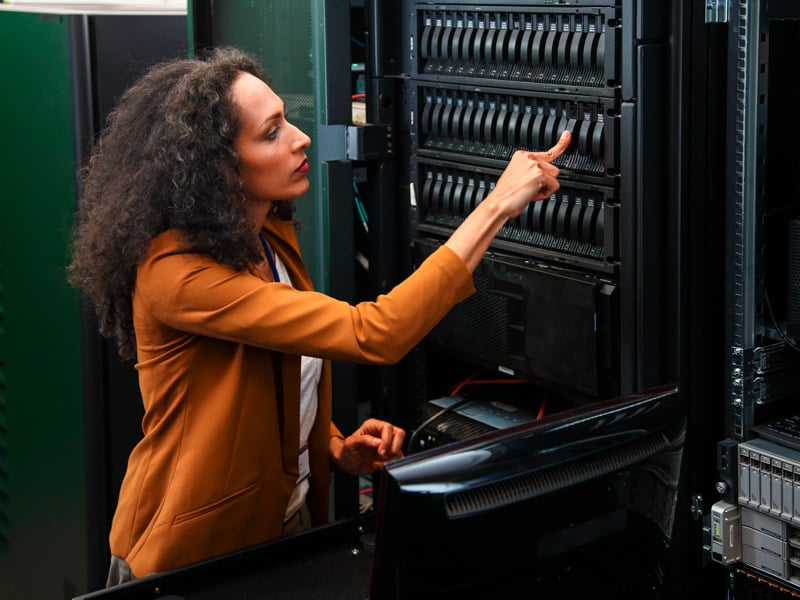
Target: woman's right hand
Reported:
point(528, 177)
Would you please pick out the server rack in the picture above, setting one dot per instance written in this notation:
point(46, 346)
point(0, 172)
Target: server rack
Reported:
point(585, 294)
point(753, 524)
point(573, 290)
point(762, 195)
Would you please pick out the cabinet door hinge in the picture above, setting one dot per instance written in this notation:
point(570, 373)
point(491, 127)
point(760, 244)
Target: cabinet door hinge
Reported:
point(369, 142)
point(717, 11)
point(354, 142)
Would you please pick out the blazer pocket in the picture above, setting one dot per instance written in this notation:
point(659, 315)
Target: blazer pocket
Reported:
point(213, 506)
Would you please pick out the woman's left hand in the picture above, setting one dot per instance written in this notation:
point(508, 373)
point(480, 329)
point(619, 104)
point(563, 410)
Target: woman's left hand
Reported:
point(366, 449)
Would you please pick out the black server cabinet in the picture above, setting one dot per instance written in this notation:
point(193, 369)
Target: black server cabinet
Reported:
point(585, 295)
point(579, 293)
point(763, 203)
point(753, 526)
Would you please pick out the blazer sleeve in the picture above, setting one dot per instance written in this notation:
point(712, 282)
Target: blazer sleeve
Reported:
point(191, 293)
point(335, 431)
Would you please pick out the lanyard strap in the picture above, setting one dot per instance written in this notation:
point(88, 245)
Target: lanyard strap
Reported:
point(270, 258)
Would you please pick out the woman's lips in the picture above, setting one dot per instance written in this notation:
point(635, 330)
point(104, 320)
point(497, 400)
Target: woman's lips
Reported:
point(303, 168)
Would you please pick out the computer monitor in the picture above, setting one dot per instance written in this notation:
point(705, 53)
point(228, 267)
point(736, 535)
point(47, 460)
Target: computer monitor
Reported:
point(576, 505)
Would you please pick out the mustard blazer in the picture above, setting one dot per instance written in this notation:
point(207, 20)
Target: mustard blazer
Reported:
point(219, 373)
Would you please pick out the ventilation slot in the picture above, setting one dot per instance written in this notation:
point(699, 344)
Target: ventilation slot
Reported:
point(531, 485)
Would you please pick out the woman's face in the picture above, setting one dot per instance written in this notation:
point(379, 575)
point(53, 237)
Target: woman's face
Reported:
point(272, 151)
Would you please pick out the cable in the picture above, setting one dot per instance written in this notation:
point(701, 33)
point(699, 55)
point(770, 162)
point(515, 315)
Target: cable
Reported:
point(789, 342)
point(468, 380)
point(362, 212)
point(412, 441)
point(542, 406)
point(455, 389)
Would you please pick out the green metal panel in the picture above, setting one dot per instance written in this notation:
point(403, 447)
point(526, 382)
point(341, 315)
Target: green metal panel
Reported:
point(283, 37)
point(42, 474)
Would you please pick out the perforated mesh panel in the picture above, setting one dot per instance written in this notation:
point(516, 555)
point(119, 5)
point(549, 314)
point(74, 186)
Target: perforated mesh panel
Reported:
point(279, 34)
point(531, 485)
point(480, 320)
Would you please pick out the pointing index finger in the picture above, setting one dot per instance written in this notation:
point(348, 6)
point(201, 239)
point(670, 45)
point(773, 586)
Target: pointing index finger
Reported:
point(561, 145)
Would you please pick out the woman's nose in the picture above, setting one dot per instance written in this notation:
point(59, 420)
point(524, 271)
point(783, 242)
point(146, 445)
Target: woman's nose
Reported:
point(301, 140)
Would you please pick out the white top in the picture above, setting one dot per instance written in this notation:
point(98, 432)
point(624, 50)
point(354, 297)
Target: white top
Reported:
point(310, 371)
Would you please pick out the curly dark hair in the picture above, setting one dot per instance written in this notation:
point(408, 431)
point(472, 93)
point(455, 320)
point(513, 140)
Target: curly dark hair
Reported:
point(164, 160)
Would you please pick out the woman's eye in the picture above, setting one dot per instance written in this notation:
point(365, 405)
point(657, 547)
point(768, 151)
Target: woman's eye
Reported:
point(272, 134)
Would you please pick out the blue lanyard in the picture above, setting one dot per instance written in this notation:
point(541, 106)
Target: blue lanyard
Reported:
point(270, 258)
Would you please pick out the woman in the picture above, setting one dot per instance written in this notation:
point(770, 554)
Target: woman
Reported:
point(186, 247)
